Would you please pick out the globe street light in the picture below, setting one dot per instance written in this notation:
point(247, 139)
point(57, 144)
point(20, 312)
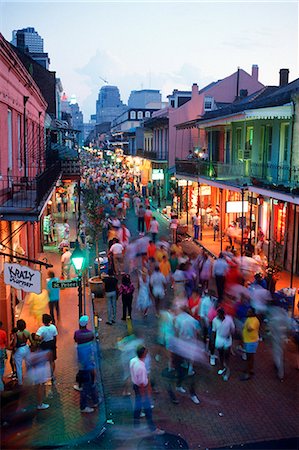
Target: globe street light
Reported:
point(78, 262)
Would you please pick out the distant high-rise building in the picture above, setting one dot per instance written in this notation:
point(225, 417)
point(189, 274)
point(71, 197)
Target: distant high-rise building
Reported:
point(144, 98)
point(30, 42)
point(109, 105)
point(70, 109)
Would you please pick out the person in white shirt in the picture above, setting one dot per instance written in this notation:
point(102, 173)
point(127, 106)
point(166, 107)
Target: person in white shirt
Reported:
point(117, 250)
point(157, 287)
point(223, 328)
point(174, 223)
point(46, 334)
point(154, 229)
point(66, 263)
point(220, 269)
point(141, 388)
point(196, 220)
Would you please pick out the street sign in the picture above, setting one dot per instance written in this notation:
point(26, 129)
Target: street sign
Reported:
point(62, 284)
point(22, 277)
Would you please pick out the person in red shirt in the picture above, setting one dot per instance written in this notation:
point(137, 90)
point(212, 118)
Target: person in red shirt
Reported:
point(151, 249)
point(194, 304)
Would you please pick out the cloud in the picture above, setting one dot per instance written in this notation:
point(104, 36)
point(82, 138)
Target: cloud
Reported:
point(104, 65)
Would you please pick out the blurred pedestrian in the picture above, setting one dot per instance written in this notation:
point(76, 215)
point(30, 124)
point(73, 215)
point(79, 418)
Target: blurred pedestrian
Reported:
point(141, 388)
point(154, 229)
point(157, 288)
point(126, 291)
point(54, 295)
point(143, 297)
point(21, 348)
point(220, 269)
point(223, 329)
point(46, 335)
point(111, 291)
point(86, 377)
point(251, 341)
point(147, 218)
point(66, 263)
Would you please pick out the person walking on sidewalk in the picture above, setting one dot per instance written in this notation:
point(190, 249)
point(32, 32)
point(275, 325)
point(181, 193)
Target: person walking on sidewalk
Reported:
point(143, 298)
point(223, 328)
point(66, 263)
point(196, 225)
point(54, 296)
point(141, 388)
point(220, 269)
point(46, 335)
point(147, 218)
point(173, 225)
point(20, 345)
point(117, 250)
point(141, 214)
point(251, 341)
point(126, 290)
point(157, 288)
point(86, 376)
point(111, 283)
point(154, 229)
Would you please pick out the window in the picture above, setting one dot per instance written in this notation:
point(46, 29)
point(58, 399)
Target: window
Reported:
point(239, 143)
point(140, 115)
point(209, 103)
point(133, 115)
point(284, 141)
point(249, 142)
point(147, 114)
point(268, 142)
point(9, 141)
point(20, 162)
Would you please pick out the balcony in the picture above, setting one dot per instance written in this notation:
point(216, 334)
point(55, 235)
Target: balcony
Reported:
point(278, 177)
point(151, 155)
point(23, 198)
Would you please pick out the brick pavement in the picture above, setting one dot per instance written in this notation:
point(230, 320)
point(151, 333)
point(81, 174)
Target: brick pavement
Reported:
point(232, 412)
point(62, 423)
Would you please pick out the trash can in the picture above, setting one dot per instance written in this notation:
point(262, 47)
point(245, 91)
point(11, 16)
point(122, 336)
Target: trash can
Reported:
point(96, 286)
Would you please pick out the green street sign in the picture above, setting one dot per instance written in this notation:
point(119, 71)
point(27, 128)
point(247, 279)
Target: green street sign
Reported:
point(62, 284)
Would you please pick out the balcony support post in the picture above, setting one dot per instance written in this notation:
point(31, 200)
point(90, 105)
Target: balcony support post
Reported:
point(187, 203)
point(221, 218)
point(242, 223)
point(293, 250)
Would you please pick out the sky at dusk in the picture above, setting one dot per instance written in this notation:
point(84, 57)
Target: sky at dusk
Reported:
point(159, 45)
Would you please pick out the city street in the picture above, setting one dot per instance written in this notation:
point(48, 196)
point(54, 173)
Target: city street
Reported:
point(149, 225)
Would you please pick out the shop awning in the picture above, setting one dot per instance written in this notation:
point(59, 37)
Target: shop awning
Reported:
point(275, 112)
point(274, 194)
point(209, 182)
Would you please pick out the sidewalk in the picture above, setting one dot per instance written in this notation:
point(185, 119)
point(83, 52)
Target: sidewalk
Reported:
point(62, 423)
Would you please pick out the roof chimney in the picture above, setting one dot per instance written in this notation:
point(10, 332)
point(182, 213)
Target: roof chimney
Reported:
point(194, 89)
point(283, 77)
point(255, 72)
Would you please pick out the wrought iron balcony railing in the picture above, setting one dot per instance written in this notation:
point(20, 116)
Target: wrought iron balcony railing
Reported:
point(29, 193)
point(153, 155)
point(281, 177)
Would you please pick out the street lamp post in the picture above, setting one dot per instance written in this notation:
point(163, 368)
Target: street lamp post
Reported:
point(78, 261)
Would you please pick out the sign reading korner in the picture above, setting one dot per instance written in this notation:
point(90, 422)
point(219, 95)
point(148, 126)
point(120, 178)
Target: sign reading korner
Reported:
point(22, 277)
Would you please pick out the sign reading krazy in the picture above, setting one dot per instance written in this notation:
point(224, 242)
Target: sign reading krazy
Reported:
point(22, 277)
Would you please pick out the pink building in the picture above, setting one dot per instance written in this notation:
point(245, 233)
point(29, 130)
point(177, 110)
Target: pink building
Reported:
point(24, 182)
point(211, 97)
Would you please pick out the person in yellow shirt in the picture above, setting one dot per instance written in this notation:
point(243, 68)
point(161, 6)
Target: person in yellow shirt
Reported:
point(165, 267)
point(251, 340)
point(160, 252)
point(38, 305)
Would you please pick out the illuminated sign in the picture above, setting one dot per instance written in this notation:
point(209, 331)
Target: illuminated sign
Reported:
point(236, 207)
point(182, 183)
point(157, 174)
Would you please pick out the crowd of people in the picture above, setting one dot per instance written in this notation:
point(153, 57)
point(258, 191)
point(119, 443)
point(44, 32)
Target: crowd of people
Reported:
point(208, 310)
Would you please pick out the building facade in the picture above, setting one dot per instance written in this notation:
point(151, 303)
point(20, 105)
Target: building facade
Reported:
point(25, 183)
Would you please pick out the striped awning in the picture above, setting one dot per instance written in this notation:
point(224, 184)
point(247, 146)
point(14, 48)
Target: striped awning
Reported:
point(274, 112)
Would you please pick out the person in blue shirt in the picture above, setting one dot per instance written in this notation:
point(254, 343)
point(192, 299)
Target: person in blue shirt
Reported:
point(54, 295)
